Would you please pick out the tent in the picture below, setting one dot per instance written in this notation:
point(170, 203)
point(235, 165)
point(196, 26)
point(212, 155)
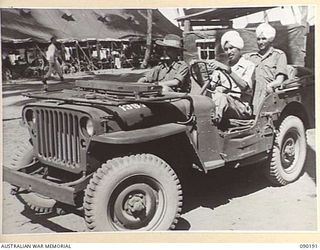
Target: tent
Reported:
point(26, 33)
point(40, 24)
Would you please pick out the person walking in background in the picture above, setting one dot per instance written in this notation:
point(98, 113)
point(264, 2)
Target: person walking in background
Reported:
point(54, 65)
point(271, 63)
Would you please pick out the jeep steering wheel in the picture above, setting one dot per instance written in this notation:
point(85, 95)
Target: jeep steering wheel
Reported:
point(202, 76)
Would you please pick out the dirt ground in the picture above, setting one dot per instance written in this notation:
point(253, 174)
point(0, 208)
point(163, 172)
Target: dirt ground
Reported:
point(225, 199)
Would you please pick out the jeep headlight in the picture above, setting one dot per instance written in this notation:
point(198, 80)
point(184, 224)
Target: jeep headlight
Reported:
point(87, 126)
point(30, 116)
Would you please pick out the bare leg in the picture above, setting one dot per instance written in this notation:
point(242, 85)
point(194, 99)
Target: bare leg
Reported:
point(44, 80)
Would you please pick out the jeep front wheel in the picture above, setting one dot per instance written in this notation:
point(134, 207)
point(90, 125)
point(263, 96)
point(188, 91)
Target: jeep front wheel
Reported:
point(289, 151)
point(138, 192)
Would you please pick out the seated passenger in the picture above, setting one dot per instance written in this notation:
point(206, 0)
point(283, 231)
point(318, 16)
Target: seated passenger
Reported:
point(171, 73)
point(271, 63)
point(233, 101)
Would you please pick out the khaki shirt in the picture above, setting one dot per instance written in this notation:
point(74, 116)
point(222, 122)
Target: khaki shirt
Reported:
point(177, 70)
point(268, 67)
point(244, 69)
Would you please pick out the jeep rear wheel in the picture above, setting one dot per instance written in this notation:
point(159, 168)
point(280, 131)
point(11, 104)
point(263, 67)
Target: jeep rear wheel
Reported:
point(38, 203)
point(289, 151)
point(138, 192)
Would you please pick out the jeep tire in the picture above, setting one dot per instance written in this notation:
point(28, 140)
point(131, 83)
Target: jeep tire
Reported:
point(289, 151)
point(137, 192)
point(39, 204)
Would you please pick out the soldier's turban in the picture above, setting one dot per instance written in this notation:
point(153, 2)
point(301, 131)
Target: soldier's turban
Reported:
point(233, 38)
point(266, 30)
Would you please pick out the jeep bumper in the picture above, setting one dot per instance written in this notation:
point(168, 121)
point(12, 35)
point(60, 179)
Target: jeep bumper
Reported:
point(58, 192)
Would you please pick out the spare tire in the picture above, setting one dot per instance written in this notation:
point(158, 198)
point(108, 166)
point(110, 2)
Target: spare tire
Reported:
point(38, 203)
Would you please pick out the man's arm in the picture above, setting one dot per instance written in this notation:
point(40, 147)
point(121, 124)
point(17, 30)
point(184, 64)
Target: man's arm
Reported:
point(142, 80)
point(276, 83)
point(180, 76)
point(151, 76)
point(244, 83)
point(170, 83)
point(281, 73)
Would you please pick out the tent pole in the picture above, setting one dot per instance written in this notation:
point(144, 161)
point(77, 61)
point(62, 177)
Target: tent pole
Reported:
point(98, 46)
point(26, 55)
point(42, 53)
point(87, 58)
point(78, 55)
point(148, 40)
point(112, 63)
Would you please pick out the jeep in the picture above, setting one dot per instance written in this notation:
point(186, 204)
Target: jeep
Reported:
point(118, 150)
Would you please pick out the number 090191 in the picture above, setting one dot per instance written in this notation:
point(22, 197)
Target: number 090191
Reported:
point(308, 246)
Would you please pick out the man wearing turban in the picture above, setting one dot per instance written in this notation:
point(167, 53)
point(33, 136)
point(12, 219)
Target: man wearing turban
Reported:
point(233, 102)
point(271, 64)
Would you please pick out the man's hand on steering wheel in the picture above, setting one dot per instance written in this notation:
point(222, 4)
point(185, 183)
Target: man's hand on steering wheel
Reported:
point(209, 67)
point(215, 65)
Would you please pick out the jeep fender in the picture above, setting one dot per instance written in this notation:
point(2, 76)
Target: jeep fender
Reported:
point(153, 134)
point(141, 135)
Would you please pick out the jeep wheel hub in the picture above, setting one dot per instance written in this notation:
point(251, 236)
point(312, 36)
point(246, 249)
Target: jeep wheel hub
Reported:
point(289, 150)
point(135, 206)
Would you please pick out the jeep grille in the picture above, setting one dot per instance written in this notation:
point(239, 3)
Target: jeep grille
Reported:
point(57, 137)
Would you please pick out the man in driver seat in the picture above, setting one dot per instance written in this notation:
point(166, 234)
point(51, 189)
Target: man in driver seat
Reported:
point(232, 96)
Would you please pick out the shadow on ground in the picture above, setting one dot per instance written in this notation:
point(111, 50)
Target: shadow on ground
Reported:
point(210, 190)
point(310, 165)
point(44, 221)
point(219, 186)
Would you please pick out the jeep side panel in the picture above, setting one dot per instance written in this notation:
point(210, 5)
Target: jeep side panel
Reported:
point(209, 141)
point(243, 143)
point(259, 138)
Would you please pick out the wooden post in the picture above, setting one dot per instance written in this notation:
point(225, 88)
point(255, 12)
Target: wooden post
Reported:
point(187, 25)
point(98, 47)
point(149, 39)
point(78, 55)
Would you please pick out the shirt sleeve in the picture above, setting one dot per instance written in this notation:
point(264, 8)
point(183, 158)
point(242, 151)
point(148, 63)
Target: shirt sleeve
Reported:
point(182, 72)
point(152, 75)
point(281, 65)
point(248, 74)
